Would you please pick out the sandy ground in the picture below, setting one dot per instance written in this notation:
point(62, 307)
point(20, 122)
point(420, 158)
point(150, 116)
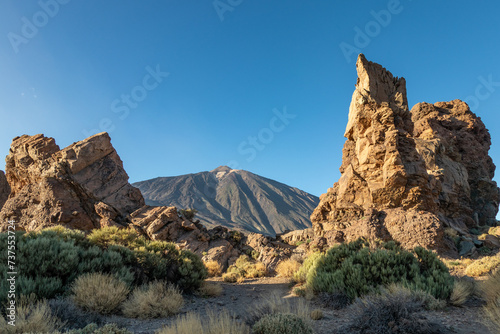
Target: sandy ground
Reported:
point(239, 298)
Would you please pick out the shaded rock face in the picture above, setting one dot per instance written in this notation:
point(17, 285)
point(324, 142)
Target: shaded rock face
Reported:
point(408, 174)
point(4, 189)
point(80, 186)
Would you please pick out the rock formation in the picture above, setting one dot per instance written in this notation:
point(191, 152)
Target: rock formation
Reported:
point(83, 186)
point(4, 189)
point(408, 174)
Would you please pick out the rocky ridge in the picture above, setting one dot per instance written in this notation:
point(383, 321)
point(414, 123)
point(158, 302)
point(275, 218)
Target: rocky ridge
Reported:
point(407, 175)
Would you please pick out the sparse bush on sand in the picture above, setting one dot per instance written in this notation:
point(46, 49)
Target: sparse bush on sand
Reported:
point(288, 268)
point(220, 323)
point(462, 289)
point(31, 317)
point(390, 312)
point(282, 323)
point(156, 299)
point(244, 267)
point(214, 269)
point(95, 329)
point(208, 289)
point(99, 293)
point(490, 291)
point(274, 303)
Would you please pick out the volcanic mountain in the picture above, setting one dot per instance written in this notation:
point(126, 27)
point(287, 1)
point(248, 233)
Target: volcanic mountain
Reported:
point(234, 198)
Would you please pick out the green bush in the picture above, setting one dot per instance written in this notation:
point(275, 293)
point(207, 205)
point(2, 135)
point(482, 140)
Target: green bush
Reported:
point(282, 323)
point(188, 213)
point(50, 260)
point(357, 269)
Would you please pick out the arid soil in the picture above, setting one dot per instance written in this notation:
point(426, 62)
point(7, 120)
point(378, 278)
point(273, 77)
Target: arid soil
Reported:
point(239, 298)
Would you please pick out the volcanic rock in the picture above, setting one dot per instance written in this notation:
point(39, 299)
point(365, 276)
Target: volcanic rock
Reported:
point(4, 189)
point(77, 187)
point(406, 175)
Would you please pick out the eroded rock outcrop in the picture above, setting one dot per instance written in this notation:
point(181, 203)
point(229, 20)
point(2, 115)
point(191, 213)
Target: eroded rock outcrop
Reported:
point(4, 189)
point(78, 186)
point(408, 174)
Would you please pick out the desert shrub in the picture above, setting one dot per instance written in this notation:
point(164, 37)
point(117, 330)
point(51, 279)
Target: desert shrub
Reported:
point(287, 268)
point(273, 303)
point(490, 291)
point(390, 312)
point(112, 235)
point(210, 289)
point(220, 323)
point(483, 266)
point(191, 269)
point(316, 314)
point(230, 277)
point(428, 301)
point(282, 323)
point(99, 293)
point(357, 269)
point(245, 267)
point(462, 290)
point(311, 261)
point(236, 236)
point(214, 269)
point(156, 299)
point(95, 329)
point(188, 213)
point(73, 316)
point(31, 317)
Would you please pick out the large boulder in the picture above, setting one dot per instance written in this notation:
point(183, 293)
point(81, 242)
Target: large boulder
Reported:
point(77, 186)
point(407, 175)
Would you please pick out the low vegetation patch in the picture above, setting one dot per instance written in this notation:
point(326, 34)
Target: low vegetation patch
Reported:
point(288, 268)
point(156, 299)
point(216, 324)
point(483, 266)
point(214, 269)
point(281, 323)
point(490, 291)
point(31, 317)
point(53, 258)
point(244, 267)
point(462, 289)
point(274, 304)
point(95, 329)
point(208, 289)
point(390, 312)
point(357, 269)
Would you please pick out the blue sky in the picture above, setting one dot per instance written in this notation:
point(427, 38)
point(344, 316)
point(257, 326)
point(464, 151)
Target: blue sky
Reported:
point(185, 86)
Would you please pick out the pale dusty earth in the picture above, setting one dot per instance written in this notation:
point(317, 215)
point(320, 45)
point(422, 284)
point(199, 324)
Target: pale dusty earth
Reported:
point(238, 298)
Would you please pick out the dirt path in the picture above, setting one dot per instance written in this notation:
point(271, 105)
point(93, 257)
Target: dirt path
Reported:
point(239, 298)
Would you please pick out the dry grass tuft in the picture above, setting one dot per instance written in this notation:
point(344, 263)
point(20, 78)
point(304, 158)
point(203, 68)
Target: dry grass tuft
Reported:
point(288, 268)
point(483, 265)
point(274, 303)
point(34, 317)
point(317, 314)
point(230, 277)
point(462, 290)
point(221, 323)
point(99, 293)
point(156, 299)
point(490, 290)
point(210, 289)
point(214, 268)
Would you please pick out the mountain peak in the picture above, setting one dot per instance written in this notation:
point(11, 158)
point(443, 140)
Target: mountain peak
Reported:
point(221, 169)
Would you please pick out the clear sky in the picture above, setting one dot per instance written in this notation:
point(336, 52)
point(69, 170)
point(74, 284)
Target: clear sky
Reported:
point(185, 86)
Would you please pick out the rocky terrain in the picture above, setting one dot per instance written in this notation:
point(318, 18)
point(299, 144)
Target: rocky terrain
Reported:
point(236, 199)
point(408, 174)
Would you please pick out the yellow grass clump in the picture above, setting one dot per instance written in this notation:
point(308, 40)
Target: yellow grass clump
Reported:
point(221, 323)
point(214, 268)
point(210, 289)
point(462, 290)
point(490, 290)
point(483, 265)
point(99, 292)
point(156, 299)
point(288, 268)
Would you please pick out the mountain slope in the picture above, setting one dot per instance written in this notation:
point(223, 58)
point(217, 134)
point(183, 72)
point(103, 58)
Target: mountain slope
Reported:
point(236, 199)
